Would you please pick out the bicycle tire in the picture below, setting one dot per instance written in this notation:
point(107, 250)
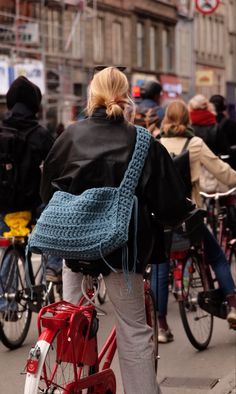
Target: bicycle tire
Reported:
point(197, 323)
point(15, 313)
point(151, 316)
point(232, 262)
point(59, 367)
point(53, 374)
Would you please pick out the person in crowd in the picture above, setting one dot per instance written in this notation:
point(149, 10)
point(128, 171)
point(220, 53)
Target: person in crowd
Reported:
point(151, 92)
point(23, 102)
point(203, 120)
point(227, 127)
point(175, 130)
point(147, 117)
point(95, 152)
point(210, 122)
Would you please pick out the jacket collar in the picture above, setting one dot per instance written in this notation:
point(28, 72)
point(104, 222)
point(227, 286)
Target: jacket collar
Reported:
point(100, 113)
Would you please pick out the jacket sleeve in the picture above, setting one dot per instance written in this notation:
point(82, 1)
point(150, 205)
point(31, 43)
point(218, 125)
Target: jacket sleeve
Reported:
point(217, 167)
point(53, 167)
point(165, 189)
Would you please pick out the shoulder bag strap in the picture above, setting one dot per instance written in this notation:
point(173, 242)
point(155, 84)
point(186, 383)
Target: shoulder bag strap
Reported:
point(185, 145)
point(136, 163)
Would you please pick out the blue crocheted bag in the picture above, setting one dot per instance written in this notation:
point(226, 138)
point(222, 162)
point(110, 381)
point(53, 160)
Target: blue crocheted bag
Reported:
point(93, 224)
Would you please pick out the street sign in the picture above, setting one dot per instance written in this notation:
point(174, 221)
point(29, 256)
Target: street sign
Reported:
point(207, 6)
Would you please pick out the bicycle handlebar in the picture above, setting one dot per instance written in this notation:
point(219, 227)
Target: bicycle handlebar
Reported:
point(217, 195)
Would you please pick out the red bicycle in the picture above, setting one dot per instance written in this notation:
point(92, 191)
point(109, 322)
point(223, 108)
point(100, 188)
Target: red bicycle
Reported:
point(65, 358)
point(220, 206)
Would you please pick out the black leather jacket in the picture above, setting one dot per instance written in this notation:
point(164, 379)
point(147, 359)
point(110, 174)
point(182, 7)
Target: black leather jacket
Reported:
point(95, 152)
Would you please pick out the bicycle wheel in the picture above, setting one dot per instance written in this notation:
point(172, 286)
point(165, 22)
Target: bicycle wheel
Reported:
point(151, 316)
point(198, 324)
point(14, 310)
point(232, 262)
point(56, 373)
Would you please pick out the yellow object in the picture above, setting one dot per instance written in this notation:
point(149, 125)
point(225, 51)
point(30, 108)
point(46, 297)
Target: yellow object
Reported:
point(17, 221)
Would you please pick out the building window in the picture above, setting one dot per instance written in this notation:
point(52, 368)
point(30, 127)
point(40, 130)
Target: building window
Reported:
point(166, 50)
point(140, 44)
point(184, 52)
point(117, 43)
point(208, 38)
point(152, 46)
point(72, 34)
point(98, 48)
point(221, 39)
point(54, 33)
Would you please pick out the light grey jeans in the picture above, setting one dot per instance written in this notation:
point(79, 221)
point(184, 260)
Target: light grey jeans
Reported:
point(134, 344)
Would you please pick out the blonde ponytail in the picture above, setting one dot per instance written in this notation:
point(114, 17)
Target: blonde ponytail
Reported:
point(110, 89)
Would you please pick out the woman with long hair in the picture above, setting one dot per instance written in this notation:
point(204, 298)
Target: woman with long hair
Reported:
point(175, 131)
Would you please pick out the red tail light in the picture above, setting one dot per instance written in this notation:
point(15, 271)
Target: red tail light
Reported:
point(4, 242)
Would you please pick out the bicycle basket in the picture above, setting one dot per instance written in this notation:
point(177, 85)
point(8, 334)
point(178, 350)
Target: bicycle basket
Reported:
point(193, 225)
point(189, 233)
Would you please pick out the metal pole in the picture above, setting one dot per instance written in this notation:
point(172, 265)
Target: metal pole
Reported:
point(17, 20)
point(43, 57)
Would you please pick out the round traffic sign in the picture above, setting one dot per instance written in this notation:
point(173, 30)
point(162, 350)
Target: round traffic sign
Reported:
point(207, 6)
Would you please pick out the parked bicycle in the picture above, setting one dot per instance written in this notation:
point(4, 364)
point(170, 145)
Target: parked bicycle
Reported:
point(219, 208)
point(65, 358)
point(197, 292)
point(23, 290)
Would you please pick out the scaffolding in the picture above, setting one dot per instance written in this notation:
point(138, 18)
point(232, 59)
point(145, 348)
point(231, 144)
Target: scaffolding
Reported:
point(50, 33)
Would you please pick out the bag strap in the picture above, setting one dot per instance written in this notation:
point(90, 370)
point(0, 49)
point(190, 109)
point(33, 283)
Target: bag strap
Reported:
point(185, 145)
point(136, 163)
point(25, 134)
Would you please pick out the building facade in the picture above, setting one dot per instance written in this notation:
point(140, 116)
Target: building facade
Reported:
point(231, 57)
point(210, 51)
point(57, 43)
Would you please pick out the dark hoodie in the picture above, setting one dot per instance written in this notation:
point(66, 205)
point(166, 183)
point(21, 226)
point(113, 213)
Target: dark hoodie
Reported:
point(23, 101)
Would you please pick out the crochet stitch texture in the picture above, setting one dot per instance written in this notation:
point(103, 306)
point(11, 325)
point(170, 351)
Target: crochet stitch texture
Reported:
point(93, 224)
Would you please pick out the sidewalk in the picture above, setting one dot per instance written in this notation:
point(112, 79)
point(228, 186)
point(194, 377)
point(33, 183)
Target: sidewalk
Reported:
point(226, 385)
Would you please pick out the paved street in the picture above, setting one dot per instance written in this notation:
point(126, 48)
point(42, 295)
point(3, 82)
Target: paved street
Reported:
point(182, 370)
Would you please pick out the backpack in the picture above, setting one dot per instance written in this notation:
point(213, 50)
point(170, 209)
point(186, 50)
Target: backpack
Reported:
point(14, 149)
point(182, 164)
point(92, 225)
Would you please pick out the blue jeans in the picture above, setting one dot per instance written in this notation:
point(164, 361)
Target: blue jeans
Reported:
point(215, 257)
point(55, 263)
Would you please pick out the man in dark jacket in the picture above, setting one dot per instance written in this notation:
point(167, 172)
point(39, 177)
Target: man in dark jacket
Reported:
point(151, 98)
point(227, 127)
point(23, 102)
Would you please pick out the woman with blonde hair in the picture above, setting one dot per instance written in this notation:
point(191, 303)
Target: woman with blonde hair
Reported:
point(93, 153)
point(175, 131)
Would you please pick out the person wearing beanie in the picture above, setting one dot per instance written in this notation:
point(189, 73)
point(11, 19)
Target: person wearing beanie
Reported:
point(23, 102)
point(25, 92)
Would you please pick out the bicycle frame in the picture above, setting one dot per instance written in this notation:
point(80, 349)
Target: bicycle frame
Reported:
point(76, 324)
point(179, 258)
point(219, 215)
point(68, 343)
